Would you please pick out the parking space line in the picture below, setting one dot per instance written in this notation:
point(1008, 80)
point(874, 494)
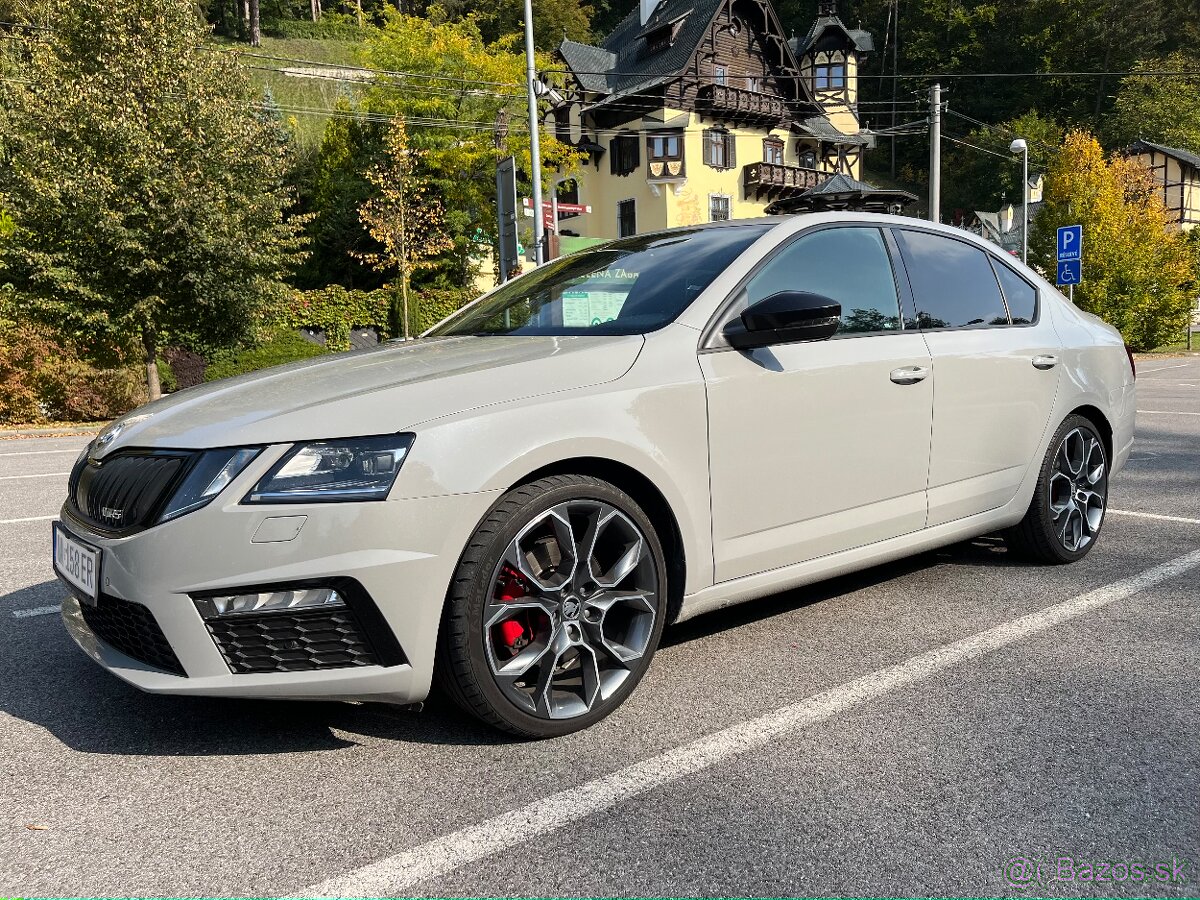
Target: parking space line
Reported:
point(1166, 412)
point(42, 475)
point(1162, 369)
point(35, 611)
point(28, 519)
point(441, 856)
point(76, 450)
point(1158, 516)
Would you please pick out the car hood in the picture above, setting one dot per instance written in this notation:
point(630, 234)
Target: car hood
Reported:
point(386, 389)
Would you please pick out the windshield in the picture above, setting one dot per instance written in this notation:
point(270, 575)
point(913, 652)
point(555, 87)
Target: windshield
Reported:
point(631, 286)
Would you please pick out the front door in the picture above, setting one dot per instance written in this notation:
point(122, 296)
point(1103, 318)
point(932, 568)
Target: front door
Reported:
point(997, 372)
point(822, 446)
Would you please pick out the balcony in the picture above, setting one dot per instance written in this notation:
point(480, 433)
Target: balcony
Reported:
point(775, 181)
point(739, 105)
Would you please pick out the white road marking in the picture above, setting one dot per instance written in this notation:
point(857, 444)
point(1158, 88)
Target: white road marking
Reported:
point(1162, 369)
point(29, 519)
point(35, 611)
point(395, 874)
point(76, 451)
point(43, 475)
point(1158, 516)
point(1166, 412)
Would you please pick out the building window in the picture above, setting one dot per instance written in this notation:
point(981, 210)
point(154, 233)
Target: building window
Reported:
point(830, 77)
point(773, 151)
point(718, 208)
point(623, 154)
point(753, 84)
point(664, 147)
point(626, 218)
point(719, 149)
point(719, 74)
point(808, 159)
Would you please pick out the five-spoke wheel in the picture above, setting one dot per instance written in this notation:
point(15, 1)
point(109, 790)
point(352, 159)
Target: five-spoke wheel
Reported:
point(562, 607)
point(1067, 511)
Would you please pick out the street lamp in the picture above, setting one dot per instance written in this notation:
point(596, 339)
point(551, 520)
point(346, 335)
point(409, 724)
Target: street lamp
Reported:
point(1019, 146)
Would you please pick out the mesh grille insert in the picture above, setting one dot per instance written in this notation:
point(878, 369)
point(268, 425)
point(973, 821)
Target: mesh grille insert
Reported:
point(132, 629)
point(292, 641)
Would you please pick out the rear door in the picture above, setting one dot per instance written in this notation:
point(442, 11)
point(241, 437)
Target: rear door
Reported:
point(821, 446)
point(996, 374)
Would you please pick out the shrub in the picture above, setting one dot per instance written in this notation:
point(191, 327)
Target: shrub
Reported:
point(283, 346)
point(435, 305)
point(335, 310)
point(187, 367)
point(43, 379)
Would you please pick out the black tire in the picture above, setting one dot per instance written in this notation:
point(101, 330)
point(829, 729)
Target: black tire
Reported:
point(462, 669)
point(1039, 537)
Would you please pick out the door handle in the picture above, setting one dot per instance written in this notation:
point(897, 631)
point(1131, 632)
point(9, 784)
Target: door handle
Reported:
point(909, 374)
point(1045, 362)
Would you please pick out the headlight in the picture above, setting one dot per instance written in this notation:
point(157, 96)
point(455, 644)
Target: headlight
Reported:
point(329, 471)
point(207, 478)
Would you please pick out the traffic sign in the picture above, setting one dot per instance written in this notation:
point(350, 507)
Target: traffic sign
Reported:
point(1070, 243)
point(1070, 271)
point(562, 207)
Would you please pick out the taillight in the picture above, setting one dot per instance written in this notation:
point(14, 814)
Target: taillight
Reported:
point(1132, 364)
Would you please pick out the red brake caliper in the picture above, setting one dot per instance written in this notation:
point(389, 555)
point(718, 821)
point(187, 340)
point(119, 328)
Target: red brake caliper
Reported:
point(515, 632)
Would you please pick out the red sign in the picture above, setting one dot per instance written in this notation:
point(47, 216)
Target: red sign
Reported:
point(562, 207)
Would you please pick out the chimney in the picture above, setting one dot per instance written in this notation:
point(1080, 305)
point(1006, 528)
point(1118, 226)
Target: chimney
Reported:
point(648, 7)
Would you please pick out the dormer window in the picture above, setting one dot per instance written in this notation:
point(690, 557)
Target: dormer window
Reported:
point(830, 77)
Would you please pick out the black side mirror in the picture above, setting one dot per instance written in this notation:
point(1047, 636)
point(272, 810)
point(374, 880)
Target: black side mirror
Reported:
point(785, 318)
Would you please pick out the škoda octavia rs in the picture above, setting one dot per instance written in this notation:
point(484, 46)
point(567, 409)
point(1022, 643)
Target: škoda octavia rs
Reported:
point(518, 503)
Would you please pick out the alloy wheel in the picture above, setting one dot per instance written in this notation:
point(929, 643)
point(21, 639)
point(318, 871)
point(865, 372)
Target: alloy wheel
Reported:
point(571, 609)
point(1078, 488)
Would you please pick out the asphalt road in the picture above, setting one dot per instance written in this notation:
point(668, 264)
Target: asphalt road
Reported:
point(859, 737)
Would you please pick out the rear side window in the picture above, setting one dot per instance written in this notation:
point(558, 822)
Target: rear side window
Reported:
point(953, 282)
point(1020, 294)
point(849, 265)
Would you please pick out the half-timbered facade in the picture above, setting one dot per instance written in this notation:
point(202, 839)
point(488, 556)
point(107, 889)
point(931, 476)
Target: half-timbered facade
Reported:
point(1178, 175)
point(701, 110)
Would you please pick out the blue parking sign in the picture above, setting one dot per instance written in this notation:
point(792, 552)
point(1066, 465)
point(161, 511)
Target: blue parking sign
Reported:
point(1070, 243)
point(1070, 271)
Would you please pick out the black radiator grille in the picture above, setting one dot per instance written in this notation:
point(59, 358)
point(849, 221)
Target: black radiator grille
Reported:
point(292, 641)
point(132, 629)
point(125, 492)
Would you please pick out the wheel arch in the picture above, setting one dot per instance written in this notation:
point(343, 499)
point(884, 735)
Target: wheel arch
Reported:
point(1094, 415)
point(648, 496)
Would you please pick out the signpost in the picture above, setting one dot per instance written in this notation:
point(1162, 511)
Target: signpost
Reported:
point(1070, 257)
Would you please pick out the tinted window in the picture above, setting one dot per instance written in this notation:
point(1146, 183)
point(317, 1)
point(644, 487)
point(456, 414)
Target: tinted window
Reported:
point(1020, 294)
point(630, 286)
point(849, 265)
point(952, 281)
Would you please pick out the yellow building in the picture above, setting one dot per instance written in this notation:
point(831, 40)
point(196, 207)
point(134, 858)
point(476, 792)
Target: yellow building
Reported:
point(696, 111)
point(1178, 174)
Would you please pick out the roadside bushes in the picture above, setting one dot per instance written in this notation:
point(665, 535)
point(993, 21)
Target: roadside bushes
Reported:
point(335, 310)
point(44, 378)
point(282, 346)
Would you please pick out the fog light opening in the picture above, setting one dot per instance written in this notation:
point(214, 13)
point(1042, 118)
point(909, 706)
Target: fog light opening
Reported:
point(268, 602)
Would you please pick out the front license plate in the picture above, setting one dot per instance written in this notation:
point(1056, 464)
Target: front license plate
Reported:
point(77, 564)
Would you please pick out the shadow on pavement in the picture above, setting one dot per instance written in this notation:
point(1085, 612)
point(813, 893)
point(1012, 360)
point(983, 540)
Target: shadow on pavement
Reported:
point(46, 681)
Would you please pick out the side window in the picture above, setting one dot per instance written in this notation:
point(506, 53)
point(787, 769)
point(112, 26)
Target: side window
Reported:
point(849, 265)
point(952, 281)
point(1020, 294)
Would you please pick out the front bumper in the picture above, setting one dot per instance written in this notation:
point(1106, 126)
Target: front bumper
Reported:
point(402, 553)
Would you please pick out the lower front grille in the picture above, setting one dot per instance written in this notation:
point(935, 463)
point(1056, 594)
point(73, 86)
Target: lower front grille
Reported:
point(292, 641)
point(132, 629)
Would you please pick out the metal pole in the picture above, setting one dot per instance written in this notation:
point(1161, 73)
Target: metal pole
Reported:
point(1071, 292)
point(935, 153)
point(1025, 206)
point(535, 150)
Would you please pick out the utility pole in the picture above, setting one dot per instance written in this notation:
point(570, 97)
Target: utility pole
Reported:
point(535, 150)
point(935, 153)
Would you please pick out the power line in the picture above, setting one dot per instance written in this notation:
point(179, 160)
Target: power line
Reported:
point(980, 149)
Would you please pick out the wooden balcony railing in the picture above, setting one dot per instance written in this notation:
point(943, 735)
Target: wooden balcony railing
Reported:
point(741, 105)
point(774, 180)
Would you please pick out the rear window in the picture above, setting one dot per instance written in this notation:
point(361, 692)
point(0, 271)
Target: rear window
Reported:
point(631, 286)
point(953, 282)
point(1020, 294)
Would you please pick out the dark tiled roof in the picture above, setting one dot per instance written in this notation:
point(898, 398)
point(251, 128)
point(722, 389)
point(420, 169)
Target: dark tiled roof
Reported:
point(1174, 152)
point(822, 129)
point(861, 40)
point(840, 184)
point(586, 61)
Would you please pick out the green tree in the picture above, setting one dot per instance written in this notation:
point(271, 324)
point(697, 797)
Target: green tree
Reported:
point(974, 180)
point(1159, 109)
point(145, 188)
point(404, 217)
point(1139, 274)
point(552, 21)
